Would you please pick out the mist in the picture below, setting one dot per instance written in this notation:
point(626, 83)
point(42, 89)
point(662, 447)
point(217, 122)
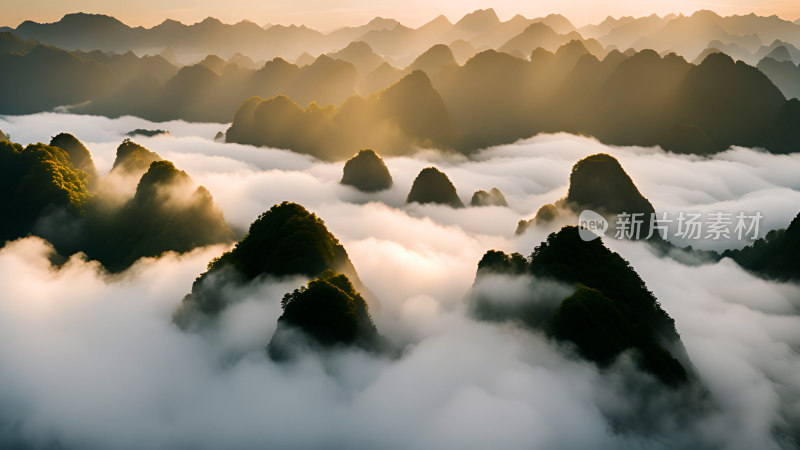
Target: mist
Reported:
point(92, 360)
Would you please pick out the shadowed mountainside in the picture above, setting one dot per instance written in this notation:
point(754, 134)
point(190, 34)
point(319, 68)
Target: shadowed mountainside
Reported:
point(610, 310)
point(78, 154)
point(133, 159)
point(584, 87)
point(433, 186)
point(286, 240)
point(167, 212)
point(774, 256)
point(492, 198)
point(366, 172)
point(409, 114)
point(599, 183)
point(482, 29)
point(36, 181)
point(329, 313)
point(495, 98)
point(784, 73)
point(48, 191)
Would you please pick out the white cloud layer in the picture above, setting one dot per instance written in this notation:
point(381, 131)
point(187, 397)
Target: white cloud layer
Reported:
point(92, 361)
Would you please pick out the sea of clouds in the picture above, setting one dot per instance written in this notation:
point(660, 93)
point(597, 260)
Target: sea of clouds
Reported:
point(89, 360)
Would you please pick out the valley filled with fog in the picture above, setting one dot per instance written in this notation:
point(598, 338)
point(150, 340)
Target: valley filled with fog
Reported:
point(483, 232)
point(92, 358)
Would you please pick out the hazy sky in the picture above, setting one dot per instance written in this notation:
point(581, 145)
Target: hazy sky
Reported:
point(328, 14)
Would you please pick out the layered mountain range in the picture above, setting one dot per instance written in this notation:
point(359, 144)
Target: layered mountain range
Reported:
point(144, 207)
point(695, 84)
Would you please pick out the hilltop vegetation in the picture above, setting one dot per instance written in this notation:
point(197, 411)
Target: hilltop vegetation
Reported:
point(433, 186)
point(285, 240)
point(495, 98)
point(600, 184)
point(329, 312)
point(34, 181)
point(773, 256)
point(367, 172)
point(54, 192)
point(609, 312)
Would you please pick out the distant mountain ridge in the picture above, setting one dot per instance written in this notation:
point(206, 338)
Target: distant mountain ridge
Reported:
point(529, 76)
point(687, 35)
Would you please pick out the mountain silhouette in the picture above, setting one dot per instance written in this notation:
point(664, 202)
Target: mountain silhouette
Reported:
point(408, 114)
point(328, 311)
point(433, 60)
point(637, 99)
point(379, 79)
point(478, 21)
point(391, 42)
point(326, 81)
point(129, 67)
point(534, 36)
point(773, 256)
point(167, 213)
point(497, 35)
point(286, 240)
point(11, 43)
point(133, 159)
point(732, 103)
point(360, 55)
point(304, 60)
point(600, 184)
point(367, 172)
point(780, 53)
point(345, 35)
point(147, 133)
point(784, 74)
point(778, 50)
point(485, 113)
point(214, 63)
point(433, 186)
point(492, 198)
point(570, 84)
point(78, 154)
point(47, 77)
point(243, 61)
point(88, 32)
point(38, 181)
point(462, 50)
point(80, 31)
point(610, 309)
point(48, 191)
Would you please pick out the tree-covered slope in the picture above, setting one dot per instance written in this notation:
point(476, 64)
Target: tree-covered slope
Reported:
point(609, 312)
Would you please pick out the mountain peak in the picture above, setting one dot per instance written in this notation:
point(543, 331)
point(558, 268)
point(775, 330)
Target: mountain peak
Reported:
point(705, 14)
point(132, 158)
point(599, 182)
point(440, 19)
point(433, 186)
point(78, 154)
point(211, 21)
point(86, 17)
point(330, 312)
point(478, 20)
point(285, 240)
point(433, 60)
point(382, 23)
point(367, 172)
